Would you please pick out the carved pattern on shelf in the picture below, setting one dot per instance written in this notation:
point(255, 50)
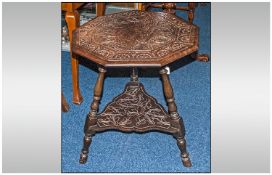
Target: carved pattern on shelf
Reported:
point(135, 110)
point(136, 36)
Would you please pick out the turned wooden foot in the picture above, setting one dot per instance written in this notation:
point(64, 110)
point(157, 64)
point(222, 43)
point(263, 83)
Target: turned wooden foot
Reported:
point(200, 57)
point(83, 158)
point(181, 142)
point(85, 150)
point(77, 97)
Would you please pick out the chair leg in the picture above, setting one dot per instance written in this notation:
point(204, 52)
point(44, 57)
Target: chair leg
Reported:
point(64, 104)
point(191, 12)
point(100, 8)
point(196, 56)
point(172, 109)
point(72, 20)
point(140, 6)
point(91, 118)
point(200, 57)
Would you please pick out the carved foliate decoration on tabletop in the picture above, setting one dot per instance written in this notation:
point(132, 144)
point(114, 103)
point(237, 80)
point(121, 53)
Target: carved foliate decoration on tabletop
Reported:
point(135, 110)
point(136, 37)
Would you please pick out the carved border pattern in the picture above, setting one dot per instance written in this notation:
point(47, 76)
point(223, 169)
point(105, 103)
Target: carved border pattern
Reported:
point(136, 35)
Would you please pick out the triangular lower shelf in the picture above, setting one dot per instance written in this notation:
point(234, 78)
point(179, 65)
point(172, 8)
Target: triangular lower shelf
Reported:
point(134, 110)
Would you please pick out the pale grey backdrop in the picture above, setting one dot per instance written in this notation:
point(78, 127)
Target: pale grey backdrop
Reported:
point(240, 87)
point(31, 87)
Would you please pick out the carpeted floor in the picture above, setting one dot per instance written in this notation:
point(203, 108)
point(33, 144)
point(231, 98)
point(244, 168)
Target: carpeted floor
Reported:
point(149, 152)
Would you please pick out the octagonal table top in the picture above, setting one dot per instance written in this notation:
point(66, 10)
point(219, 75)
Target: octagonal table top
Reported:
point(135, 38)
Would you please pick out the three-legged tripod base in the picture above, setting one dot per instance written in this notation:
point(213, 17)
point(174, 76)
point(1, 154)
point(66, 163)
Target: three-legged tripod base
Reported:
point(135, 111)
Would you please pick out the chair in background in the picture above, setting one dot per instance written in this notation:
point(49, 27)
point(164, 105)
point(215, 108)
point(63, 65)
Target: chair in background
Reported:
point(72, 20)
point(64, 105)
point(171, 8)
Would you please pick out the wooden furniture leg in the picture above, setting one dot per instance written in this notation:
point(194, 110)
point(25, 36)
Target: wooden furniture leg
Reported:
point(169, 8)
point(134, 75)
point(72, 19)
point(64, 104)
point(191, 11)
point(172, 109)
point(143, 6)
point(200, 57)
point(140, 6)
point(91, 119)
point(100, 8)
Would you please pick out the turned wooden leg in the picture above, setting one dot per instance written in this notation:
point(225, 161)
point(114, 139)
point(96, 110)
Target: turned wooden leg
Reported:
point(169, 8)
point(191, 12)
point(172, 109)
point(97, 91)
point(64, 104)
point(200, 57)
point(134, 75)
point(143, 6)
point(168, 92)
point(91, 118)
point(100, 8)
point(72, 20)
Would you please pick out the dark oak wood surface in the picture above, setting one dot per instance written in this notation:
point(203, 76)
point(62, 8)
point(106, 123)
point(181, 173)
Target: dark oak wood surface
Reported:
point(135, 38)
point(135, 111)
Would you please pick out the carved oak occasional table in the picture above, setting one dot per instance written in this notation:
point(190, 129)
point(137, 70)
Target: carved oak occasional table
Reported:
point(135, 39)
